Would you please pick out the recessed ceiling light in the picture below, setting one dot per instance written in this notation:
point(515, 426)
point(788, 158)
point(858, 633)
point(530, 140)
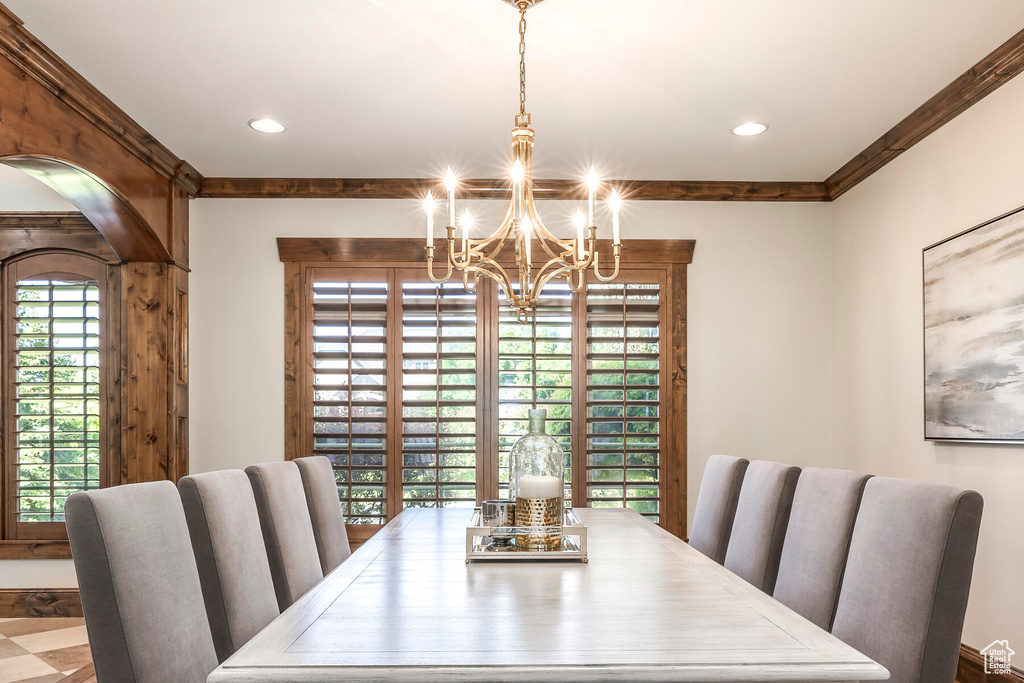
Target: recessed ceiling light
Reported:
point(266, 125)
point(748, 129)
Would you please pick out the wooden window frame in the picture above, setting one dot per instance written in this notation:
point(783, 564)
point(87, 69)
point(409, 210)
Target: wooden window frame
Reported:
point(666, 262)
point(30, 540)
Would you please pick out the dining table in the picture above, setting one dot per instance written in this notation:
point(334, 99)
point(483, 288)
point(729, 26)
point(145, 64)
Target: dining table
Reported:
point(408, 607)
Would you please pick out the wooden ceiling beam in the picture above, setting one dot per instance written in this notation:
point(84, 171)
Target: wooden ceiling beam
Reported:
point(970, 88)
point(477, 188)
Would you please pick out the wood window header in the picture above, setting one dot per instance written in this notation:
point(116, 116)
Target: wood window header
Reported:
point(355, 251)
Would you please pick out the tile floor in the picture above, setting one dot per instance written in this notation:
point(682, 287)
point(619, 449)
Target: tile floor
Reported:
point(41, 650)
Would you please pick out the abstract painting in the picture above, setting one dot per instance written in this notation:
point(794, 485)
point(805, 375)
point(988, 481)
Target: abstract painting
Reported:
point(974, 334)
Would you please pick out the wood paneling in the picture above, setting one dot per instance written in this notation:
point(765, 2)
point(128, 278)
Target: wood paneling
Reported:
point(23, 604)
point(28, 231)
point(971, 669)
point(981, 79)
point(369, 251)
point(482, 188)
point(155, 399)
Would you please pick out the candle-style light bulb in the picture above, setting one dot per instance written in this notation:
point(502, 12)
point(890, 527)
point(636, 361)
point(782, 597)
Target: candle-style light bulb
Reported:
point(449, 183)
point(517, 189)
point(467, 223)
point(592, 183)
point(581, 226)
point(527, 226)
point(429, 206)
point(615, 201)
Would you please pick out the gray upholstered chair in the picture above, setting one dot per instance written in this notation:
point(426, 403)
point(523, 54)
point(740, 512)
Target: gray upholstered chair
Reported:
point(762, 515)
point(287, 529)
point(233, 568)
point(716, 505)
point(907, 577)
point(139, 585)
point(817, 542)
point(324, 511)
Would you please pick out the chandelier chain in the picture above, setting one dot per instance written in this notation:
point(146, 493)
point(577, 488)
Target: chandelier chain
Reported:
point(522, 58)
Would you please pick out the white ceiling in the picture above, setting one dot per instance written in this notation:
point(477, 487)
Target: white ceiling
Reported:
point(641, 88)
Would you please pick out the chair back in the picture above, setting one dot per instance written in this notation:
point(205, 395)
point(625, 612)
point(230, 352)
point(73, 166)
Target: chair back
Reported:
point(139, 585)
point(287, 529)
point(324, 511)
point(817, 542)
point(908, 576)
point(762, 515)
point(233, 568)
point(716, 505)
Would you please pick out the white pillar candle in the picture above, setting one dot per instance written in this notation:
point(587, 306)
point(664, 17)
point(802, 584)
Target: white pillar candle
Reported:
point(449, 183)
point(428, 205)
point(592, 183)
point(616, 203)
point(531, 486)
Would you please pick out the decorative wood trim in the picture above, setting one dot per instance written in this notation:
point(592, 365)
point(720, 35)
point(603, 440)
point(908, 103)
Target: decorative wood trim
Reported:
point(38, 61)
point(481, 188)
point(34, 550)
point(31, 230)
point(353, 251)
point(50, 602)
point(293, 375)
point(673, 470)
point(971, 669)
point(971, 87)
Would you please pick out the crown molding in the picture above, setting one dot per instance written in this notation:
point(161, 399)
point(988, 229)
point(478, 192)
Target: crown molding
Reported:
point(36, 60)
point(479, 188)
point(971, 87)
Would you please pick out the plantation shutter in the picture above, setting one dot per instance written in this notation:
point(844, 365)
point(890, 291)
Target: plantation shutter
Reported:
point(57, 395)
point(350, 386)
point(624, 389)
point(535, 369)
point(439, 433)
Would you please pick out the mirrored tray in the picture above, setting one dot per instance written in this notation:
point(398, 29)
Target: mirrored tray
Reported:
point(479, 544)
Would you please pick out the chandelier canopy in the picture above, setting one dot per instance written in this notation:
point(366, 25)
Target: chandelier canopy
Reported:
point(539, 255)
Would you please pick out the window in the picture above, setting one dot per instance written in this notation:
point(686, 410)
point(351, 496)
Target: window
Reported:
point(623, 397)
point(56, 379)
point(416, 391)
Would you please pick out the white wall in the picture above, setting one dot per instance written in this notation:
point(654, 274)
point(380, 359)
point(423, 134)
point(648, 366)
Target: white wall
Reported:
point(759, 326)
point(969, 171)
point(759, 320)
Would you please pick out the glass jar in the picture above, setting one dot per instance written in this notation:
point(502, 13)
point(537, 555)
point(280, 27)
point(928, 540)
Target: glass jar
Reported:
point(537, 455)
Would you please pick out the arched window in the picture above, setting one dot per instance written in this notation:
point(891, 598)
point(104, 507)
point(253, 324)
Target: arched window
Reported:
point(59, 359)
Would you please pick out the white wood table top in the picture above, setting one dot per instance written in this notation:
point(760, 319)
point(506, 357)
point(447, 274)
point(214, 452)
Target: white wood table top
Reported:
point(648, 607)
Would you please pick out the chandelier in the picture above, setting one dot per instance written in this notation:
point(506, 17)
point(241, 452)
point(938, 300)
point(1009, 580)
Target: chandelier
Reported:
point(539, 256)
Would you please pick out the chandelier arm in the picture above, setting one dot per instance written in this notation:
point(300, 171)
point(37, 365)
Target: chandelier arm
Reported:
point(545, 236)
point(616, 252)
point(499, 274)
point(580, 273)
point(430, 267)
point(465, 281)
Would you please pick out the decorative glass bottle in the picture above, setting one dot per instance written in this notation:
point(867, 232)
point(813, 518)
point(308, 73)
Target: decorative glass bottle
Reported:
point(536, 485)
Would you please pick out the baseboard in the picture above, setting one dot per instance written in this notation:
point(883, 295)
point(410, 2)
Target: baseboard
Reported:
point(24, 603)
point(971, 669)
